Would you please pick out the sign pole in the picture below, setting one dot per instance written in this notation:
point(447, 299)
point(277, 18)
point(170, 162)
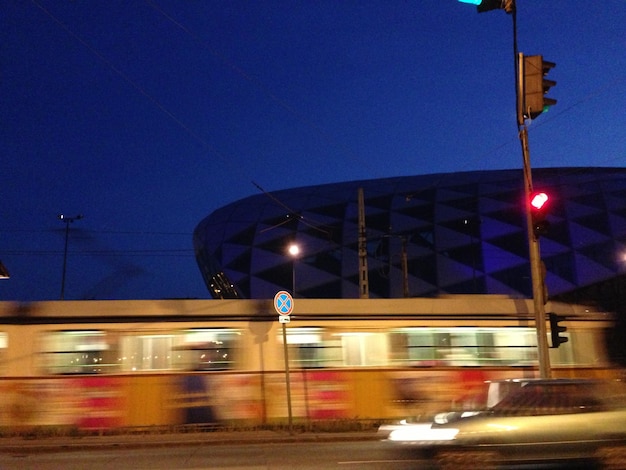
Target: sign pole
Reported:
point(288, 381)
point(283, 304)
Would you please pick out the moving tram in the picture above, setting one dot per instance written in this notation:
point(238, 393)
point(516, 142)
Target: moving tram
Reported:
point(107, 364)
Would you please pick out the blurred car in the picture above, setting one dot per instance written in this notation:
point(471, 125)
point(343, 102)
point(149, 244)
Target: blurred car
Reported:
point(526, 421)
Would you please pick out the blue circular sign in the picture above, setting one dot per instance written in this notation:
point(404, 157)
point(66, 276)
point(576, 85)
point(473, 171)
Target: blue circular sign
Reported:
point(283, 302)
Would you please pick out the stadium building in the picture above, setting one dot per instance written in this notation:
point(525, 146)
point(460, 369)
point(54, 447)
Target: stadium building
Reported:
point(425, 236)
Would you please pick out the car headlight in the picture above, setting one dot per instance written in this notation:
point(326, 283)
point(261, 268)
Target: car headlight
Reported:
point(422, 433)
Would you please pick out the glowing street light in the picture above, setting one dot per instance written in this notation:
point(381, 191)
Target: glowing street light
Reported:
point(294, 250)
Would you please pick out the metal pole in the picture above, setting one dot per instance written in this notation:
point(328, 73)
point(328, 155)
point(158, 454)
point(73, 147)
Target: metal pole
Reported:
point(533, 242)
point(293, 277)
point(67, 221)
point(364, 289)
point(405, 269)
point(67, 232)
point(294, 250)
point(287, 379)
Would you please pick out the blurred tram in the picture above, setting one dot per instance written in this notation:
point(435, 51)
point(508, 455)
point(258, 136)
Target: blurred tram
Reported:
point(107, 364)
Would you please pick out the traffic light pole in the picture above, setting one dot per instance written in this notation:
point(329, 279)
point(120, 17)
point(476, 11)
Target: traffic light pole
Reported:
point(537, 88)
point(533, 242)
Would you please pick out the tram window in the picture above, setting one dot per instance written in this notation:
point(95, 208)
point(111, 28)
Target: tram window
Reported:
point(146, 352)
point(412, 346)
point(206, 349)
point(78, 352)
point(320, 347)
point(516, 346)
point(312, 347)
point(364, 349)
point(463, 346)
point(584, 353)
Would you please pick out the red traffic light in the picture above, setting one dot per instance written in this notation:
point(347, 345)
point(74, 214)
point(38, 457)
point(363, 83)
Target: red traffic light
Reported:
point(538, 213)
point(538, 200)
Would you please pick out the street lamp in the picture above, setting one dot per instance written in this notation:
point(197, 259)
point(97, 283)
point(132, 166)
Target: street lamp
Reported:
point(67, 220)
point(294, 251)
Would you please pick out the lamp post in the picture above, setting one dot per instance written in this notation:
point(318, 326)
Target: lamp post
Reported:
point(294, 251)
point(67, 220)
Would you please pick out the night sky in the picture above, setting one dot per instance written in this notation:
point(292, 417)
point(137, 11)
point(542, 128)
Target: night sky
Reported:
point(146, 116)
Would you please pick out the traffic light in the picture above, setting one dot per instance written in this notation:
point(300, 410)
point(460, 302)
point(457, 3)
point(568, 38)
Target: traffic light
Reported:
point(536, 85)
point(487, 5)
point(538, 213)
point(556, 330)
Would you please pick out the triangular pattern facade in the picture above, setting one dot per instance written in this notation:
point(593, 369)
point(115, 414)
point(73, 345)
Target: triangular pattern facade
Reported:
point(460, 233)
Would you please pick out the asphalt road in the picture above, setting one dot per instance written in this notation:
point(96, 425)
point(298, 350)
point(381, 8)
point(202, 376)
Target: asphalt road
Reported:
point(241, 450)
point(343, 455)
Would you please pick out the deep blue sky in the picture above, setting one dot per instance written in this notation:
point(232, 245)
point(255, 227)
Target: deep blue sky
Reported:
point(145, 116)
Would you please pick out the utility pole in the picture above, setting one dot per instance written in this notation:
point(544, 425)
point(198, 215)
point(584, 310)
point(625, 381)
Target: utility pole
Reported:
point(405, 268)
point(67, 220)
point(363, 274)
